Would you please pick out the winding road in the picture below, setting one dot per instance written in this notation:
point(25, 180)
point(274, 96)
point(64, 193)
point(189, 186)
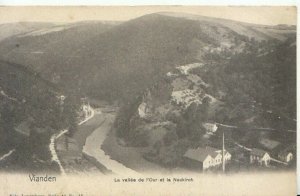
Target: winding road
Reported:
point(3, 157)
point(54, 156)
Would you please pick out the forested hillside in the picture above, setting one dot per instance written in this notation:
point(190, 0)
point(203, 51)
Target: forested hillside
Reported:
point(248, 89)
point(30, 112)
point(116, 61)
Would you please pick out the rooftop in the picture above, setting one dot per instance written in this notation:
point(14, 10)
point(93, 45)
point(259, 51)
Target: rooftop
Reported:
point(258, 152)
point(199, 154)
point(284, 153)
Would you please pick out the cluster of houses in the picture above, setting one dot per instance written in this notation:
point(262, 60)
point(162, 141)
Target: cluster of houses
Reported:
point(205, 158)
point(210, 128)
point(209, 157)
point(263, 158)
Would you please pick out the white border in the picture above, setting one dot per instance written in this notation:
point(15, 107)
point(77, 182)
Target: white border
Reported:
point(147, 2)
point(177, 2)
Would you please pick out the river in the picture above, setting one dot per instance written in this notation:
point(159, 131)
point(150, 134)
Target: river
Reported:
point(93, 144)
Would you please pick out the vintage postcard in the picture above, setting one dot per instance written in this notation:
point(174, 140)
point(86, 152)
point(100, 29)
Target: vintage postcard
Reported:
point(148, 100)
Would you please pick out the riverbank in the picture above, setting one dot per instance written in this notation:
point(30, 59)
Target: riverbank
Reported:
point(69, 149)
point(95, 148)
point(95, 141)
point(131, 157)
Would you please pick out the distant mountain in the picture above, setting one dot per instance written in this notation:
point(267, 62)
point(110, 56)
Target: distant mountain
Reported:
point(258, 32)
point(117, 61)
point(19, 28)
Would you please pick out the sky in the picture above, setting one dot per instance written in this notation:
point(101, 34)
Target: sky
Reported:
point(269, 15)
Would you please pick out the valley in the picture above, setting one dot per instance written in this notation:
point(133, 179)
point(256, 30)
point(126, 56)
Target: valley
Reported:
point(163, 92)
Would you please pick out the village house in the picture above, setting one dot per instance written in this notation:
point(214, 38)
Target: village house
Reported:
point(198, 159)
point(85, 108)
point(258, 156)
point(24, 127)
point(143, 110)
point(205, 158)
point(61, 101)
point(285, 156)
point(210, 127)
point(269, 144)
point(227, 155)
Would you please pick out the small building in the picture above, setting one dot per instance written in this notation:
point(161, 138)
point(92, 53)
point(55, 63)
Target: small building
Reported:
point(85, 110)
point(198, 159)
point(24, 128)
point(205, 158)
point(227, 155)
point(269, 144)
point(143, 110)
point(285, 156)
point(60, 99)
point(210, 127)
point(258, 156)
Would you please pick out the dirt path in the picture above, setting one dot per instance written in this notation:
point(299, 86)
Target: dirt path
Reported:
point(54, 137)
point(54, 156)
point(7, 154)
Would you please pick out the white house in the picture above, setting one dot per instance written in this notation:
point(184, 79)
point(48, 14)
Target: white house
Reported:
point(285, 156)
point(227, 155)
point(86, 109)
point(198, 158)
point(210, 127)
point(205, 158)
point(260, 157)
point(218, 159)
point(143, 110)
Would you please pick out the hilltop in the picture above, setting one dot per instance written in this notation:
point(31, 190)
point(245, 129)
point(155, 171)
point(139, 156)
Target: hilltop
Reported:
point(112, 61)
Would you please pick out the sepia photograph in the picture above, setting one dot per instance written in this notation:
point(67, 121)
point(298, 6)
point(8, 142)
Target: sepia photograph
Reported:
point(193, 94)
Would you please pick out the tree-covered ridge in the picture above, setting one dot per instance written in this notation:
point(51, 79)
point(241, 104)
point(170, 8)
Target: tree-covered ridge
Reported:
point(35, 107)
point(251, 88)
point(263, 77)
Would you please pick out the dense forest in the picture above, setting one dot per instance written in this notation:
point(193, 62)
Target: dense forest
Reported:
point(33, 105)
point(256, 85)
point(263, 77)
